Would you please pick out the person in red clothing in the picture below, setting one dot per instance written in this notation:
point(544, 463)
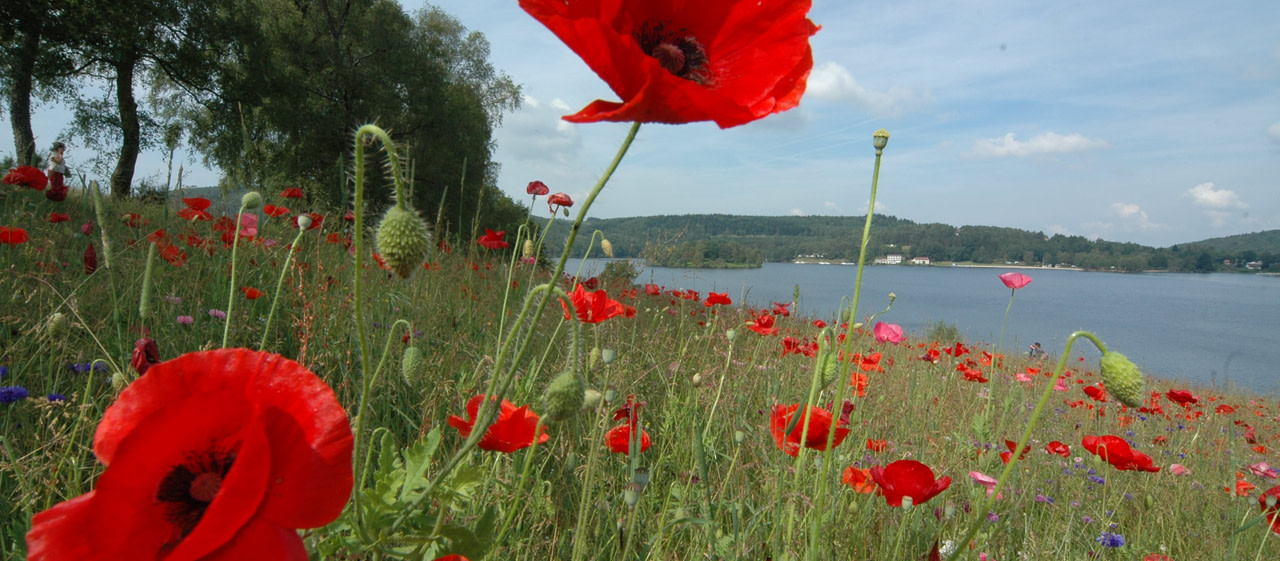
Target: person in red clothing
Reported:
point(57, 170)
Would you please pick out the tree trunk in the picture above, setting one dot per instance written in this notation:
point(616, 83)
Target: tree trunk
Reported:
point(20, 96)
point(130, 129)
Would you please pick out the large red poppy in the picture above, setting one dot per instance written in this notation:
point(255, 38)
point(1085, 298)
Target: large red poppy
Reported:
point(492, 239)
point(197, 203)
point(27, 176)
point(592, 307)
point(1115, 451)
point(908, 478)
point(1058, 448)
point(763, 324)
point(819, 429)
point(12, 235)
point(213, 455)
point(512, 430)
point(1182, 397)
point(674, 61)
point(1272, 512)
point(536, 188)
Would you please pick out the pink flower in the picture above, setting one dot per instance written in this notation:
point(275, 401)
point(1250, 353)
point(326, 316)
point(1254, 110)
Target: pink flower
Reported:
point(248, 225)
point(986, 481)
point(1015, 280)
point(888, 333)
point(1061, 386)
point(1021, 377)
point(217, 314)
point(1261, 469)
point(186, 320)
point(1179, 469)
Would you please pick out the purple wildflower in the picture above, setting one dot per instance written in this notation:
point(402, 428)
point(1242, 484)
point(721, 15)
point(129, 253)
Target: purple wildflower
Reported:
point(10, 394)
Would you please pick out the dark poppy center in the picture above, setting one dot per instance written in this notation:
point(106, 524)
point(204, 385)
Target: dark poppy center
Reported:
point(678, 52)
point(189, 487)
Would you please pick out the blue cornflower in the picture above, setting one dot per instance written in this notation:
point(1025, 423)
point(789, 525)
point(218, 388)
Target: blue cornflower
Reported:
point(10, 394)
point(4, 371)
point(1097, 479)
point(1108, 539)
point(100, 367)
point(1044, 499)
point(80, 367)
point(57, 397)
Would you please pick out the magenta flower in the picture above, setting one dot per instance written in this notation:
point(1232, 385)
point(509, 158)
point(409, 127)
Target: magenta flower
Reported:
point(186, 320)
point(986, 481)
point(217, 314)
point(1015, 280)
point(888, 333)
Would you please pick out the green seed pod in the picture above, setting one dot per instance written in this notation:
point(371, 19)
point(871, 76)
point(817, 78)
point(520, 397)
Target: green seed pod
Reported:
point(593, 358)
point(565, 396)
point(57, 324)
point(696, 380)
point(730, 335)
point(608, 355)
point(403, 240)
point(304, 221)
point(411, 364)
point(251, 200)
point(739, 436)
point(1122, 378)
point(606, 247)
point(118, 381)
point(830, 367)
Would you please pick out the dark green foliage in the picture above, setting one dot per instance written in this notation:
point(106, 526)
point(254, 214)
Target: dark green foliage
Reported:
point(703, 254)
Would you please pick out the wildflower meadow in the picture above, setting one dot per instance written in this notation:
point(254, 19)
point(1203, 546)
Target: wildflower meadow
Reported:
point(288, 380)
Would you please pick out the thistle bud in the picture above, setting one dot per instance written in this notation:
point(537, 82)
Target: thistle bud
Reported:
point(565, 396)
point(403, 240)
point(410, 364)
point(606, 247)
point(251, 200)
point(1122, 378)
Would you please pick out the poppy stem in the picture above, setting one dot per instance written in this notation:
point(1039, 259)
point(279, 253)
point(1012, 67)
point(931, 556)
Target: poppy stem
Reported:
point(981, 514)
point(266, 330)
point(231, 291)
point(1000, 346)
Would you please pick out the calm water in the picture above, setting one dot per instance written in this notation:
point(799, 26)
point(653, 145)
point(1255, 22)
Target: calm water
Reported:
point(1203, 328)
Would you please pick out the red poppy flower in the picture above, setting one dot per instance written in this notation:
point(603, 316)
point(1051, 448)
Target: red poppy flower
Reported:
point(868, 363)
point(619, 439)
point(173, 255)
point(1225, 409)
point(492, 239)
point(512, 430)
point(1058, 448)
point(957, 351)
point(791, 345)
point(13, 235)
point(717, 299)
point(1272, 511)
point(1115, 451)
point(1182, 397)
point(213, 454)
point(536, 188)
point(819, 429)
point(652, 290)
point(251, 292)
point(1096, 393)
point(728, 61)
point(194, 214)
point(554, 202)
point(859, 479)
point(877, 445)
point(197, 203)
point(27, 176)
point(592, 307)
point(292, 193)
point(56, 217)
point(763, 324)
point(1011, 445)
point(1242, 486)
point(275, 211)
point(1015, 280)
point(145, 355)
point(908, 478)
point(859, 381)
point(133, 219)
point(90, 260)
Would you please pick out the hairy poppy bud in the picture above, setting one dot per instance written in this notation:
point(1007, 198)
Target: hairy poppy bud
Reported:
point(528, 249)
point(591, 399)
point(830, 367)
point(251, 200)
point(410, 364)
point(57, 324)
point(593, 358)
point(565, 396)
point(403, 240)
point(1122, 378)
point(606, 247)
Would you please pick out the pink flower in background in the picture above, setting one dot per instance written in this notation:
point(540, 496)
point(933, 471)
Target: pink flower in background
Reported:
point(1179, 469)
point(217, 314)
point(1021, 377)
point(1015, 280)
point(986, 481)
point(1261, 469)
point(186, 320)
point(248, 225)
point(888, 333)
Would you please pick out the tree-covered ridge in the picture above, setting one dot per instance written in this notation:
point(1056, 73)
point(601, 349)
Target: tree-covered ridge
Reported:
point(703, 254)
point(836, 238)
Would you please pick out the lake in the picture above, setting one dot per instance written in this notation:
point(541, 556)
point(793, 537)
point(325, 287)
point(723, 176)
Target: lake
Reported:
point(1203, 328)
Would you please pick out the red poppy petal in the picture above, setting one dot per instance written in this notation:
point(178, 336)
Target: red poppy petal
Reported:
point(57, 533)
point(261, 540)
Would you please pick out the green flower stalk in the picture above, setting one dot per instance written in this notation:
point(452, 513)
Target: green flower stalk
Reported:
point(144, 301)
point(245, 201)
point(304, 222)
point(102, 225)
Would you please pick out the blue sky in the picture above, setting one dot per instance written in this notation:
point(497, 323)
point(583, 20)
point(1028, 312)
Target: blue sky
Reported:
point(1156, 122)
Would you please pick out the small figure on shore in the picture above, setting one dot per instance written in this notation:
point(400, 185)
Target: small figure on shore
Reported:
point(57, 171)
point(1036, 351)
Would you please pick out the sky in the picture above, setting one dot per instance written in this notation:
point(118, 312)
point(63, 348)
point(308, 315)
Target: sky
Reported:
point(1148, 121)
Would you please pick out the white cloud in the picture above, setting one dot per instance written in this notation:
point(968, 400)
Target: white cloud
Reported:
point(797, 212)
point(1205, 195)
point(833, 207)
point(1134, 216)
point(833, 82)
point(1274, 132)
point(1057, 229)
point(536, 132)
point(1047, 143)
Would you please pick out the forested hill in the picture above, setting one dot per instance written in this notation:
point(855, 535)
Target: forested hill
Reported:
point(837, 238)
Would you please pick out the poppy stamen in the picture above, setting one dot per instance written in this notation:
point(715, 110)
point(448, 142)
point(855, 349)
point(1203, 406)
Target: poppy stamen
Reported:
point(189, 487)
point(677, 52)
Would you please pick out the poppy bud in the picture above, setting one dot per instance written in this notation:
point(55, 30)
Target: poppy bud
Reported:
point(304, 221)
point(606, 247)
point(118, 381)
point(610, 395)
point(565, 397)
point(608, 355)
point(57, 324)
point(528, 249)
point(696, 380)
point(403, 240)
point(739, 436)
point(593, 358)
point(410, 364)
point(251, 200)
point(730, 335)
point(90, 260)
point(1122, 378)
point(591, 399)
point(830, 367)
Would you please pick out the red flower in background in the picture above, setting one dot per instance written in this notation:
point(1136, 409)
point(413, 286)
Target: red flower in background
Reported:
point(197, 203)
point(868, 363)
point(133, 219)
point(1182, 397)
point(1096, 393)
point(10, 235)
point(512, 430)
point(782, 309)
point(908, 478)
point(1272, 511)
point(537, 188)
point(791, 345)
point(194, 214)
point(763, 324)
point(213, 454)
point(554, 202)
point(275, 211)
point(717, 299)
point(1225, 409)
point(57, 217)
point(619, 438)
point(1015, 280)
point(292, 193)
point(859, 479)
point(90, 260)
point(1058, 448)
point(888, 333)
point(251, 292)
point(877, 445)
point(27, 176)
point(592, 307)
point(1115, 451)
point(492, 239)
point(145, 355)
point(652, 290)
point(1011, 445)
point(728, 61)
point(819, 429)
point(317, 220)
